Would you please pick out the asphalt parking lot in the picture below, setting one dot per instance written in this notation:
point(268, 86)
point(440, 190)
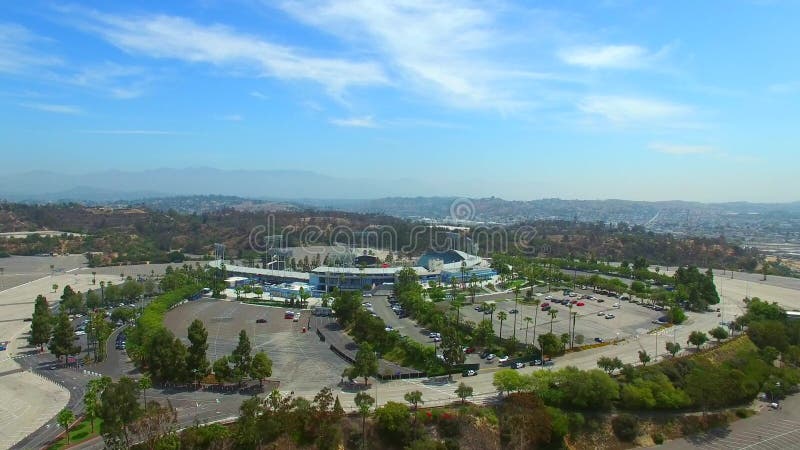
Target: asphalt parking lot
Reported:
point(629, 319)
point(300, 360)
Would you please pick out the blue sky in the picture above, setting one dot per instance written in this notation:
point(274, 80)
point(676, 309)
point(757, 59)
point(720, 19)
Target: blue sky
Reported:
point(646, 100)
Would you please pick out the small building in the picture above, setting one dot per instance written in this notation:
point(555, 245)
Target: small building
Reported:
point(236, 281)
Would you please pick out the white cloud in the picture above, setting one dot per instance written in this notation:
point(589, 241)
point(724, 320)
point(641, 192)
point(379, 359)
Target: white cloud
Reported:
point(790, 87)
point(161, 36)
point(357, 122)
point(681, 149)
point(115, 80)
point(17, 52)
point(53, 108)
point(629, 110)
point(258, 95)
point(445, 47)
point(606, 56)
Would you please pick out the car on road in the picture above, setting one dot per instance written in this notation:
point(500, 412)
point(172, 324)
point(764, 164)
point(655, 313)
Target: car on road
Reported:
point(610, 316)
point(518, 365)
point(491, 357)
point(367, 295)
point(470, 373)
point(503, 359)
point(80, 332)
point(288, 315)
point(367, 304)
point(599, 340)
point(514, 311)
point(296, 318)
point(478, 308)
point(261, 320)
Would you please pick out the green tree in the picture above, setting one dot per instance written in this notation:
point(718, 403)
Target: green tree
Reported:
point(65, 418)
point(719, 334)
point(222, 370)
point(609, 365)
point(673, 348)
point(676, 315)
point(644, 358)
point(698, 338)
point(63, 341)
point(483, 333)
point(463, 391)
point(145, 383)
point(364, 402)
point(393, 423)
point(502, 316)
point(196, 361)
point(366, 362)
point(525, 422)
point(550, 344)
point(91, 400)
point(452, 350)
point(41, 323)
point(553, 313)
point(165, 356)
point(241, 357)
point(508, 380)
point(119, 409)
point(93, 300)
point(261, 368)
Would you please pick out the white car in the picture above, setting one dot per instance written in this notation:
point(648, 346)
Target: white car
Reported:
point(616, 305)
point(502, 359)
point(609, 316)
point(491, 357)
point(80, 333)
point(601, 313)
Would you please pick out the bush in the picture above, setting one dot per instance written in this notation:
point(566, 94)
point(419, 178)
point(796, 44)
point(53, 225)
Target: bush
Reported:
point(658, 438)
point(626, 427)
point(744, 413)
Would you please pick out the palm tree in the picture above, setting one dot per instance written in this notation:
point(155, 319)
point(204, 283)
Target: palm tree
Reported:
point(553, 314)
point(473, 287)
point(568, 322)
point(516, 306)
point(501, 316)
point(528, 321)
point(574, 318)
point(536, 303)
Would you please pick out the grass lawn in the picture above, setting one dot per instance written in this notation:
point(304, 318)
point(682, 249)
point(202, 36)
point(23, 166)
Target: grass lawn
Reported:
point(79, 433)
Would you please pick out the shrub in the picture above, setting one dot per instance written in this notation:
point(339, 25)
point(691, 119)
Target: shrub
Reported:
point(626, 427)
point(744, 413)
point(658, 438)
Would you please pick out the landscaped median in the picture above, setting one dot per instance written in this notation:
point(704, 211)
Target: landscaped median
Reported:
point(152, 319)
point(80, 432)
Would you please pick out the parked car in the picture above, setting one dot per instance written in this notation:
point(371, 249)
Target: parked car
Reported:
point(296, 318)
point(484, 354)
point(610, 316)
point(601, 313)
point(503, 359)
point(491, 357)
point(288, 315)
point(518, 365)
point(580, 304)
point(514, 311)
point(261, 320)
point(599, 340)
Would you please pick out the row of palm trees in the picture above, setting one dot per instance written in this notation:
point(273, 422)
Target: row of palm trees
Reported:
point(502, 316)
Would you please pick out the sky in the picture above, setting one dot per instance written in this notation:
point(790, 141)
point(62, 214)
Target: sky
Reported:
point(649, 100)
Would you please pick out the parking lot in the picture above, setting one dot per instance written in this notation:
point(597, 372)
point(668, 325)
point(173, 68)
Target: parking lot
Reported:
point(300, 361)
point(629, 319)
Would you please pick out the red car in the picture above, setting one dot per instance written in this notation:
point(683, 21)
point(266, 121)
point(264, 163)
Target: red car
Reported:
point(545, 304)
point(581, 304)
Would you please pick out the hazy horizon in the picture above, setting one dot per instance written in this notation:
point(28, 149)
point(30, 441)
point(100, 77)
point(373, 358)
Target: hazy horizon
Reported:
point(604, 100)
